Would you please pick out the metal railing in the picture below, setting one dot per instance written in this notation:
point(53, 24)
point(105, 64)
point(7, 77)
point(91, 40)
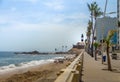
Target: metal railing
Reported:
point(73, 72)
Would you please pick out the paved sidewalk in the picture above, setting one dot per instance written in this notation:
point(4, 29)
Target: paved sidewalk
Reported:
point(93, 71)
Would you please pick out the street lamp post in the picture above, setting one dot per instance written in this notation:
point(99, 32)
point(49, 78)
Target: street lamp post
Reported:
point(118, 23)
point(105, 8)
point(104, 14)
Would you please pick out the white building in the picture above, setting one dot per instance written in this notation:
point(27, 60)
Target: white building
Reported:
point(103, 25)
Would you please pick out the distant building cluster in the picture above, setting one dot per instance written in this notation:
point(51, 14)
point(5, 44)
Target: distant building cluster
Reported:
point(79, 45)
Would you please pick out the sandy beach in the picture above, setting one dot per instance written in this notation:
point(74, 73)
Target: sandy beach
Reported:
point(42, 73)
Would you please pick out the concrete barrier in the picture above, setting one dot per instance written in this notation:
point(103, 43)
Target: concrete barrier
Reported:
point(73, 72)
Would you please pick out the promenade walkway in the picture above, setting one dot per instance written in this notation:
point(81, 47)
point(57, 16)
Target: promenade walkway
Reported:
point(94, 71)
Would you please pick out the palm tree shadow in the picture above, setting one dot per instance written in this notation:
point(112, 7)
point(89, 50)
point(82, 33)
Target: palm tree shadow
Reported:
point(105, 63)
point(113, 70)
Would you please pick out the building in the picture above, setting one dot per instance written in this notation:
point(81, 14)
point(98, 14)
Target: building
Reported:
point(103, 25)
point(79, 45)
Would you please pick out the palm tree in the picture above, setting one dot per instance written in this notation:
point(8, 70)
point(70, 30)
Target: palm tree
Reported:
point(55, 49)
point(95, 12)
point(62, 48)
point(65, 48)
point(110, 35)
point(88, 34)
point(96, 44)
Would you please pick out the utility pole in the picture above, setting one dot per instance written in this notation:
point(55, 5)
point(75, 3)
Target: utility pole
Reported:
point(105, 8)
point(104, 14)
point(118, 23)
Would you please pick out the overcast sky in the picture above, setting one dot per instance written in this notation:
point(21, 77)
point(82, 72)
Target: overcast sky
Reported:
point(44, 25)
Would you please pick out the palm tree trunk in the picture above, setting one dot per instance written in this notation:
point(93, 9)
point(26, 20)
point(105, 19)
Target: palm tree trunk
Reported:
point(93, 39)
point(92, 35)
point(88, 44)
point(93, 32)
point(108, 59)
point(96, 54)
point(92, 50)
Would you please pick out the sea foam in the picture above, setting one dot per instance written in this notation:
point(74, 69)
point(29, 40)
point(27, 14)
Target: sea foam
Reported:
point(12, 67)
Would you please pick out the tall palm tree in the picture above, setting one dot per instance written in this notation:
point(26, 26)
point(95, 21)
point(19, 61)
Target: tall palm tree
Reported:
point(65, 48)
point(88, 34)
point(62, 48)
point(95, 12)
point(110, 35)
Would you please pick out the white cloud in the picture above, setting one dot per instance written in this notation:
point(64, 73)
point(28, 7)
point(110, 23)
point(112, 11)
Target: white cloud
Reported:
point(77, 16)
point(73, 18)
point(31, 1)
point(13, 9)
point(55, 4)
point(86, 1)
point(42, 35)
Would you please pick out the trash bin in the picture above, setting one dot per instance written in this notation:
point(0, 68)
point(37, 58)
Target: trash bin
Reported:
point(104, 58)
point(114, 56)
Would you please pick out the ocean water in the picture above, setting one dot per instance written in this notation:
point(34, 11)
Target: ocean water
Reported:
point(10, 61)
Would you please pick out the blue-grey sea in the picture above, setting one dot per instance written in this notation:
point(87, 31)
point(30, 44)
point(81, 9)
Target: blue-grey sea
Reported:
point(9, 60)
